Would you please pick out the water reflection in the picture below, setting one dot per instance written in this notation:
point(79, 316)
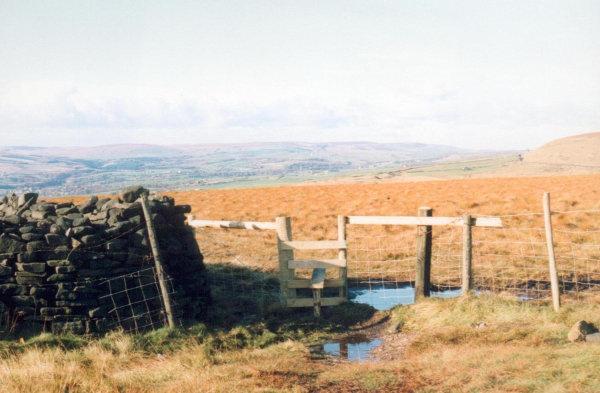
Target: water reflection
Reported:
point(355, 348)
point(386, 296)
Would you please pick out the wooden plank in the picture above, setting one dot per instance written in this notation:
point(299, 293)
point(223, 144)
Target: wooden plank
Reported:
point(309, 302)
point(233, 224)
point(423, 221)
point(318, 279)
point(317, 293)
point(551, 257)
point(334, 283)
point(314, 245)
point(316, 263)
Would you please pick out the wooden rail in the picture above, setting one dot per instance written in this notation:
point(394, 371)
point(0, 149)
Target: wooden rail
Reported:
point(232, 224)
point(317, 263)
point(423, 221)
point(314, 245)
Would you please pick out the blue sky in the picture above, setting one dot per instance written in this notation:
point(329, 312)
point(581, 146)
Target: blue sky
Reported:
point(474, 74)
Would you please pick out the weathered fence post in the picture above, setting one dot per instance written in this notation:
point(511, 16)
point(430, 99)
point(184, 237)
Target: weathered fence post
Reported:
point(157, 260)
point(284, 233)
point(467, 276)
point(343, 254)
point(423, 269)
point(551, 256)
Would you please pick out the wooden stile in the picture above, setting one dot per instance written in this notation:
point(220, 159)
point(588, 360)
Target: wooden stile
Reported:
point(423, 268)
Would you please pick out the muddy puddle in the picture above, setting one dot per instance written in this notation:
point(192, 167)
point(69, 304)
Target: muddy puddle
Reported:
point(354, 347)
point(384, 297)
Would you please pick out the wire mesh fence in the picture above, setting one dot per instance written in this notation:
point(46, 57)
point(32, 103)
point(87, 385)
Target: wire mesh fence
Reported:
point(382, 263)
point(135, 300)
point(242, 265)
point(382, 259)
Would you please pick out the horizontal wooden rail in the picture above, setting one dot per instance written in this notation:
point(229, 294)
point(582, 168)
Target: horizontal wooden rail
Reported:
point(300, 284)
point(428, 221)
point(232, 224)
point(314, 245)
point(316, 263)
point(326, 301)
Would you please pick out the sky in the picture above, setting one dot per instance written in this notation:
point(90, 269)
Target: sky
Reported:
point(472, 74)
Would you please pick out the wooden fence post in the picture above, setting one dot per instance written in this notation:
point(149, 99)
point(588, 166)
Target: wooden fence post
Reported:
point(467, 276)
point(423, 269)
point(343, 254)
point(551, 256)
point(284, 233)
point(157, 260)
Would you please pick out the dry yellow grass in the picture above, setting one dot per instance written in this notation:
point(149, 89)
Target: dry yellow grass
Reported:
point(523, 349)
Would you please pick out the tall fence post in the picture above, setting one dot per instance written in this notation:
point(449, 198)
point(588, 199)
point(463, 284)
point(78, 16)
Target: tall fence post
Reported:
point(551, 256)
point(423, 269)
point(343, 254)
point(467, 276)
point(284, 233)
point(157, 260)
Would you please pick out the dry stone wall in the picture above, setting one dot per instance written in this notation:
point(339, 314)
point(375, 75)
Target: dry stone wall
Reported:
point(76, 268)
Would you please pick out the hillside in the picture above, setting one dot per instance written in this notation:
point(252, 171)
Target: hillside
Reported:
point(575, 155)
point(581, 150)
point(104, 169)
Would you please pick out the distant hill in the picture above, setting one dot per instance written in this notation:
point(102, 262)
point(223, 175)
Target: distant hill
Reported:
point(574, 150)
point(56, 171)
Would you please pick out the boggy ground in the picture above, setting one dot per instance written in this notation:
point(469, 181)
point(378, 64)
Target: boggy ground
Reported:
point(522, 348)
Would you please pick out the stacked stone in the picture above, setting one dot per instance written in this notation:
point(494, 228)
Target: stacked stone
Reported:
point(56, 261)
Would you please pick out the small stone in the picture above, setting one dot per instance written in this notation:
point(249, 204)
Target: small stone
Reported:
point(579, 331)
point(55, 240)
point(60, 262)
point(89, 206)
point(52, 311)
point(38, 267)
point(91, 239)
point(38, 215)
point(75, 327)
point(61, 277)
point(65, 269)
point(31, 237)
point(6, 271)
point(131, 194)
point(83, 230)
point(63, 211)
point(13, 220)
point(81, 222)
point(593, 338)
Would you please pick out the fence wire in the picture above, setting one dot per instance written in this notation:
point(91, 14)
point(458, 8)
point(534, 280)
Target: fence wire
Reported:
point(242, 265)
point(135, 300)
point(382, 263)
